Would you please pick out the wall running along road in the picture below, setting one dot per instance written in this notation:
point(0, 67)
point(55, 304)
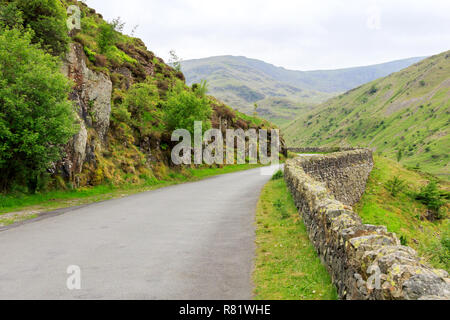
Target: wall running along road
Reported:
point(366, 262)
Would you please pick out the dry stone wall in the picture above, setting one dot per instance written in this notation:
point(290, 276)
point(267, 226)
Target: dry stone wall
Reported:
point(319, 149)
point(366, 262)
point(344, 173)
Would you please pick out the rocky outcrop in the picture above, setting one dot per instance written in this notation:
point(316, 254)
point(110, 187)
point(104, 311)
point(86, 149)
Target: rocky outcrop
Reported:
point(366, 262)
point(92, 97)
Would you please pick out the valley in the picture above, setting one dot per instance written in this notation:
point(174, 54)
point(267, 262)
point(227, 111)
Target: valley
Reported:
point(280, 94)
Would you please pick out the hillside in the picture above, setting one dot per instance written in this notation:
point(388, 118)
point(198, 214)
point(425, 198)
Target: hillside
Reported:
point(281, 94)
point(405, 115)
point(118, 103)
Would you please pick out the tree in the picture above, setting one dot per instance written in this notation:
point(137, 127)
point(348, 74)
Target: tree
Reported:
point(395, 185)
point(47, 18)
point(175, 61)
point(36, 117)
point(430, 196)
point(184, 107)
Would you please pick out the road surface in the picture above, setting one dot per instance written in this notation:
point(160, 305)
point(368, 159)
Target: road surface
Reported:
point(189, 241)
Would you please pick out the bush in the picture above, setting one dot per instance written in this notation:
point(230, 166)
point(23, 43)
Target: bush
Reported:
point(403, 240)
point(184, 107)
point(109, 34)
point(106, 37)
point(431, 197)
point(395, 185)
point(278, 175)
point(373, 90)
point(36, 117)
point(142, 101)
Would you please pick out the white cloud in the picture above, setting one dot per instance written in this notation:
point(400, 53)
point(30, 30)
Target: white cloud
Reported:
point(296, 34)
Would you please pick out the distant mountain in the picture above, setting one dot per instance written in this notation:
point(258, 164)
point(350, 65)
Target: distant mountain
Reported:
point(406, 114)
point(281, 94)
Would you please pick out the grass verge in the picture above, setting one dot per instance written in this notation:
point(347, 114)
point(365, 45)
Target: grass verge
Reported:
point(403, 214)
point(287, 266)
point(19, 207)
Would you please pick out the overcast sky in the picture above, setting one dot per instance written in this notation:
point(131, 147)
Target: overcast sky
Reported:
point(295, 34)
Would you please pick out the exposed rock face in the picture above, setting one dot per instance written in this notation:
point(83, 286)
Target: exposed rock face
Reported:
point(366, 262)
point(92, 95)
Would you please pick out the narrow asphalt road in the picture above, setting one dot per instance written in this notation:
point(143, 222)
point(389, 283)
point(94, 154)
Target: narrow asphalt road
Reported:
point(190, 241)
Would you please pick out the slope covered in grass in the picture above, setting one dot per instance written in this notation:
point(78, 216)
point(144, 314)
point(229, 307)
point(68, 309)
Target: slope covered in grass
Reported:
point(405, 215)
point(406, 114)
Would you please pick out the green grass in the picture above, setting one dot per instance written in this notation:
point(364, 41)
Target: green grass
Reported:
point(287, 266)
point(403, 214)
point(26, 204)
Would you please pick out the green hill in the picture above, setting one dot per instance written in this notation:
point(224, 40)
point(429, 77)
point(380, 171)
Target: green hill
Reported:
point(405, 115)
point(281, 94)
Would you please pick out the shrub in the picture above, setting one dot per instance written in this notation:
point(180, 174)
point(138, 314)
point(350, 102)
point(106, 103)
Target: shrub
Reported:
point(278, 175)
point(36, 117)
point(430, 196)
point(403, 240)
point(373, 90)
point(107, 36)
point(142, 101)
point(394, 186)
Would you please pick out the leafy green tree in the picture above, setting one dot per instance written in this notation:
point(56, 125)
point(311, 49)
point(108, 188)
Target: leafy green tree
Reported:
point(184, 107)
point(47, 18)
point(36, 117)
